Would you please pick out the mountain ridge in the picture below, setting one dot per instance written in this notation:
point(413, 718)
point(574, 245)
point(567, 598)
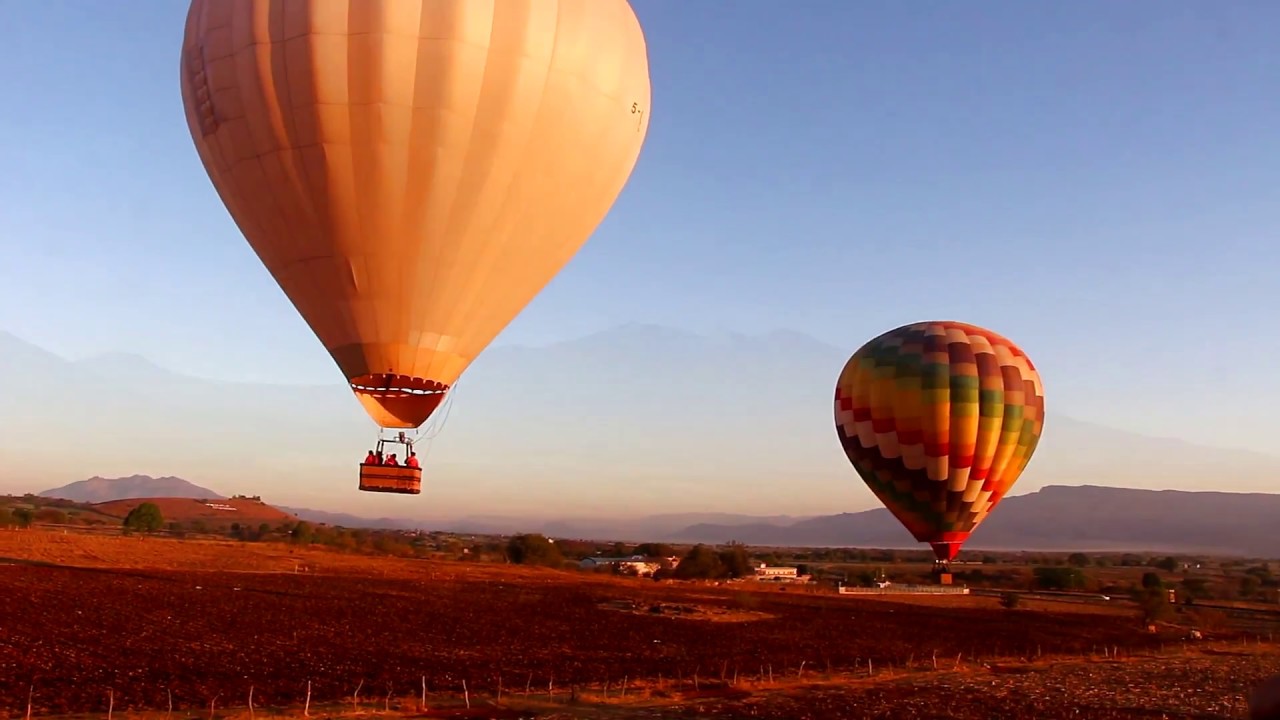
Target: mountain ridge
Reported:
point(1062, 518)
point(1053, 518)
point(642, 417)
point(98, 489)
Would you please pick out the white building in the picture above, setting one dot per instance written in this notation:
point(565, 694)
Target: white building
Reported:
point(777, 573)
point(632, 565)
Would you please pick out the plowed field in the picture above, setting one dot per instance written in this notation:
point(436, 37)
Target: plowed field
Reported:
point(76, 626)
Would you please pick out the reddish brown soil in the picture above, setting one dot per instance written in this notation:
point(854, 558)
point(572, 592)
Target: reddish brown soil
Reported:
point(72, 633)
point(1189, 687)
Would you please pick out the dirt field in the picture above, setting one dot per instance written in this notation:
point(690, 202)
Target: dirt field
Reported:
point(1201, 686)
point(137, 551)
point(87, 618)
point(187, 510)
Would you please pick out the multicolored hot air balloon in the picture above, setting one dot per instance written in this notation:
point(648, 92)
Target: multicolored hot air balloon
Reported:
point(939, 419)
point(413, 172)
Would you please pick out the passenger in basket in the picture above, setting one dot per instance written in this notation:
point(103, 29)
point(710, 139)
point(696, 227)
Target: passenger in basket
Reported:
point(412, 460)
point(391, 460)
point(371, 458)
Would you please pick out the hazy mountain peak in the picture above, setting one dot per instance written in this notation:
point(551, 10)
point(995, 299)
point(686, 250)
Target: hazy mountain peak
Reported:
point(17, 354)
point(99, 489)
point(634, 334)
point(125, 364)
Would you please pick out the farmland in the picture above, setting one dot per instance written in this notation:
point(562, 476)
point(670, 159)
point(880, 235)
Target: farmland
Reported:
point(140, 620)
point(215, 515)
point(211, 512)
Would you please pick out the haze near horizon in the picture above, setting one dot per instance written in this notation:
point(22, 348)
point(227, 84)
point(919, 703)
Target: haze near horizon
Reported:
point(612, 447)
point(1095, 182)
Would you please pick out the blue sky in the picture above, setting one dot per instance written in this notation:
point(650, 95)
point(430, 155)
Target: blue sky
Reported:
point(1096, 180)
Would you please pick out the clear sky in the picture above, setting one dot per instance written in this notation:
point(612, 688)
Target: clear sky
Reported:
point(1097, 180)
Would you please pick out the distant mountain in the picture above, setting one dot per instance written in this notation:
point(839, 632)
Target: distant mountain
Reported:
point(1054, 518)
point(638, 529)
point(607, 435)
point(100, 489)
point(348, 520)
point(1057, 517)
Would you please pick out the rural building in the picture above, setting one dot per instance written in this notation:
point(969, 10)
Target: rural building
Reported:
point(777, 573)
point(632, 565)
point(891, 589)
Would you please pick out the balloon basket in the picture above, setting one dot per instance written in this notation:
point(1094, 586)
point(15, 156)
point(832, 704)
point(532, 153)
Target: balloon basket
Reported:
point(398, 479)
point(391, 479)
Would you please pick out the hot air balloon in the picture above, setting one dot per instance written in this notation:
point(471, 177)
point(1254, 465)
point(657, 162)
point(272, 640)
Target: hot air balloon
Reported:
point(413, 172)
point(939, 419)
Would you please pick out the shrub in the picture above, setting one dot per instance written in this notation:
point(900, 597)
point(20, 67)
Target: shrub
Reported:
point(534, 549)
point(144, 518)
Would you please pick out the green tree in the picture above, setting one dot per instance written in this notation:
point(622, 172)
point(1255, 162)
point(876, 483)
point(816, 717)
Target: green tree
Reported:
point(653, 550)
point(1059, 578)
point(1196, 588)
point(23, 517)
point(736, 561)
point(1010, 600)
point(1167, 564)
point(1078, 560)
point(302, 533)
point(700, 563)
point(390, 544)
point(144, 518)
point(1153, 605)
point(1151, 581)
point(534, 549)
point(1249, 586)
point(6, 518)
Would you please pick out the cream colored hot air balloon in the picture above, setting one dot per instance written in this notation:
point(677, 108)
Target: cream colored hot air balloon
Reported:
point(413, 172)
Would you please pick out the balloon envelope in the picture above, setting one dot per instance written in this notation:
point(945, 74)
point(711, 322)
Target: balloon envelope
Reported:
point(413, 172)
point(939, 419)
